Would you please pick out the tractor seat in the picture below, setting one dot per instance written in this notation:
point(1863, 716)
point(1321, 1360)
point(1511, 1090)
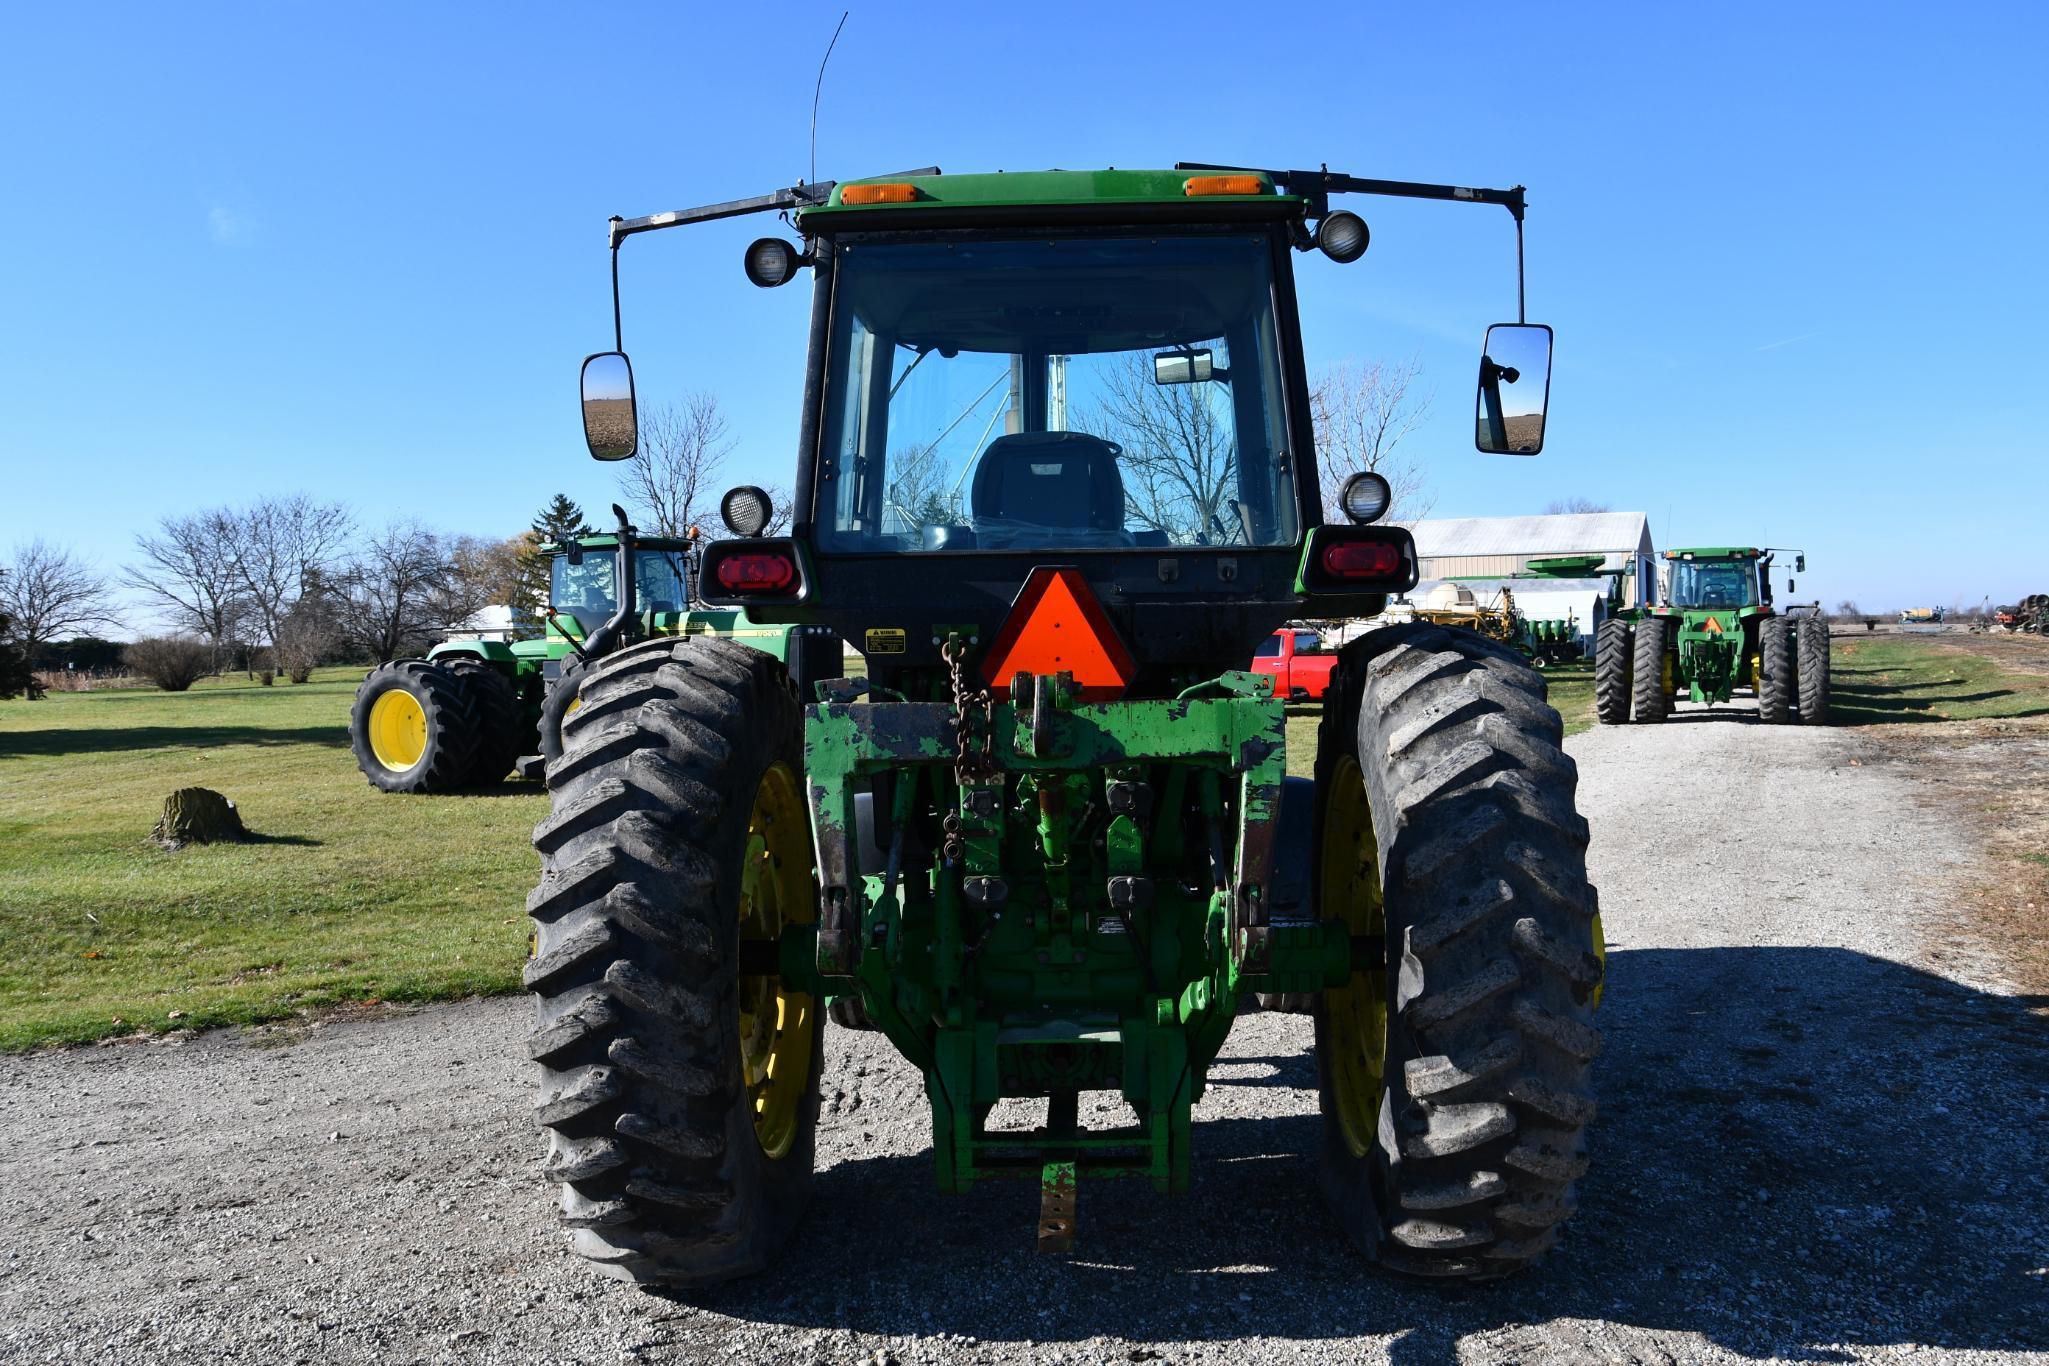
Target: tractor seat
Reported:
point(1049, 489)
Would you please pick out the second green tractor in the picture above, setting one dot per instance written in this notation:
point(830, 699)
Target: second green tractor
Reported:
point(1712, 632)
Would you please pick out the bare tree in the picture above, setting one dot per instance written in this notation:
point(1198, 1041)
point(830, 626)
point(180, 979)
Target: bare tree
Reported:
point(782, 510)
point(311, 631)
point(674, 473)
point(1558, 506)
point(407, 585)
point(1363, 413)
point(189, 569)
point(918, 491)
point(1180, 460)
point(280, 545)
point(49, 593)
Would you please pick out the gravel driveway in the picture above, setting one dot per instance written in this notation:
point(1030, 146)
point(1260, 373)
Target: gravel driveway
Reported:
point(1811, 1147)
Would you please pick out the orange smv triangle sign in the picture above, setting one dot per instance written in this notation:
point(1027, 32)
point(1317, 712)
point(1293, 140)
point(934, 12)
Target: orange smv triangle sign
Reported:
point(1058, 624)
point(1713, 627)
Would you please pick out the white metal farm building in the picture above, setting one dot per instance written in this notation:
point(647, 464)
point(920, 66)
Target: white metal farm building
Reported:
point(1497, 547)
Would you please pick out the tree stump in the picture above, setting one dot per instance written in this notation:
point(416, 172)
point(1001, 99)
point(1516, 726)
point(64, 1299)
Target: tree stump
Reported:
point(198, 815)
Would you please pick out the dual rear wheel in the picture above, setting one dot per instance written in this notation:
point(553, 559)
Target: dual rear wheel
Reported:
point(430, 726)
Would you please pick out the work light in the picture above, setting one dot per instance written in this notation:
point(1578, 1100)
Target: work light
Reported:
point(771, 261)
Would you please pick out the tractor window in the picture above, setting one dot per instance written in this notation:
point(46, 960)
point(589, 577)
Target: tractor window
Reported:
point(1713, 583)
point(1094, 392)
point(584, 591)
point(658, 581)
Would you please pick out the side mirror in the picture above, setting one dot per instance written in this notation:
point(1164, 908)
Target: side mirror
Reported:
point(1184, 367)
point(1515, 385)
point(610, 427)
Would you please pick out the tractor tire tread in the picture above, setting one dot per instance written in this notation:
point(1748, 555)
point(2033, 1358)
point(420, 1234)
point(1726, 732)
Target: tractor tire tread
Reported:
point(1614, 645)
point(1648, 698)
point(1483, 862)
point(634, 968)
point(1775, 689)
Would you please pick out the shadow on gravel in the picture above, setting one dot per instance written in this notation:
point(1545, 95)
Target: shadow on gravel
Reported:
point(1802, 1153)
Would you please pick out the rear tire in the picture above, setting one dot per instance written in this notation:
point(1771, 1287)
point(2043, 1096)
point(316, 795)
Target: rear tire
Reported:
point(1613, 645)
point(1446, 832)
point(680, 1096)
point(1813, 671)
point(1775, 687)
point(412, 728)
point(496, 708)
point(1653, 704)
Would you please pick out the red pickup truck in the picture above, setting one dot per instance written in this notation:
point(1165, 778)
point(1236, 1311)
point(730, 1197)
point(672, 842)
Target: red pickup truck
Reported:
point(1293, 659)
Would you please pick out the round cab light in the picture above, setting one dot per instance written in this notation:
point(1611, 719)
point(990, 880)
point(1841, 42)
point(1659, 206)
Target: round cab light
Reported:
point(1365, 497)
point(746, 510)
point(763, 572)
point(1342, 236)
point(771, 261)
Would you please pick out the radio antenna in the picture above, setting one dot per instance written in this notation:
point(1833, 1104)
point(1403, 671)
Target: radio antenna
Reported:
point(816, 89)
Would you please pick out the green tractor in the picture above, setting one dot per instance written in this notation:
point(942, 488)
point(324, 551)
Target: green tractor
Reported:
point(1714, 631)
point(1056, 479)
point(475, 711)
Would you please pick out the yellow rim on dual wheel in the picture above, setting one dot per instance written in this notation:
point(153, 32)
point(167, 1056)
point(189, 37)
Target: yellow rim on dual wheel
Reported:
point(398, 729)
point(1356, 1013)
point(776, 1024)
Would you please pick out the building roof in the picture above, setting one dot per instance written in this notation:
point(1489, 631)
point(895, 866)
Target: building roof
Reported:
point(1559, 534)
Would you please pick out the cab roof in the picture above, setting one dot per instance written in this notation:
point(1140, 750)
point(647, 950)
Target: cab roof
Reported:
point(1003, 189)
point(1715, 552)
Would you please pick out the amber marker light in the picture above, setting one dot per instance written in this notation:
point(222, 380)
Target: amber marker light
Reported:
point(1223, 184)
point(895, 192)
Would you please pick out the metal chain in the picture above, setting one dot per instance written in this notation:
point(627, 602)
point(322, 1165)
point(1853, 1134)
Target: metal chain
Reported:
point(973, 754)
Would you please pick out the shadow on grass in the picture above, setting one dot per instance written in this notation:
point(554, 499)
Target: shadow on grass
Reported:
point(46, 744)
point(1802, 1153)
point(1870, 704)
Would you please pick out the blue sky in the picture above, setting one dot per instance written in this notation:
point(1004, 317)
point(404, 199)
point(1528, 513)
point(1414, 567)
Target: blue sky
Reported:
point(1793, 253)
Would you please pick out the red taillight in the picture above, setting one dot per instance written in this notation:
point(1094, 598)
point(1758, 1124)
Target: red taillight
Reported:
point(765, 572)
point(1350, 560)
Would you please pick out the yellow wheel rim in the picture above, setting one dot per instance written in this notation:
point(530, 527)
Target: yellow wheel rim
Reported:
point(776, 1024)
point(1356, 1013)
point(398, 730)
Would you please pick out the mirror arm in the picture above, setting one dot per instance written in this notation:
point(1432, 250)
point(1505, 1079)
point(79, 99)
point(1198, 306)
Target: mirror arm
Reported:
point(618, 335)
point(1316, 187)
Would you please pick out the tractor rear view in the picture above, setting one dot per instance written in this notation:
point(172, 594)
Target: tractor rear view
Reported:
point(1714, 632)
point(1056, 479)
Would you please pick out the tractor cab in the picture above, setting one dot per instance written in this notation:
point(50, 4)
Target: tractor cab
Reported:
point(583, 585)
point(1095, 373)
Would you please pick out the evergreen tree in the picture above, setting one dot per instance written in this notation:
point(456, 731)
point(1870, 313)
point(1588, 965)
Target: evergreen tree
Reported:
point(15, 678)
point(560, 520)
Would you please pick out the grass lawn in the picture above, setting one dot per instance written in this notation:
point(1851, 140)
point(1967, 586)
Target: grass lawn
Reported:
point(350, 894)
point(1952, 677)
point(347, 895)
